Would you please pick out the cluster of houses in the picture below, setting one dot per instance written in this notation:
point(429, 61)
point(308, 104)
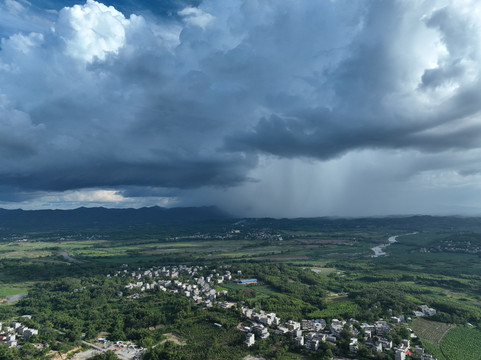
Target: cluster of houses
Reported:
point(179, 279)
point(458, 245)
point(264, 234)
point(309, 333)
point(424, 310)
point(207, 236)
point(8, 334)
point(261, 321)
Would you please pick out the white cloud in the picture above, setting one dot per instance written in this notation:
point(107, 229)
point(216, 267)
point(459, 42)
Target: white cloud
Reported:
point(23, 43)
point(17, 16)
point(14, 6)
point(93, 196)
point(197, 17)
point(92, 30)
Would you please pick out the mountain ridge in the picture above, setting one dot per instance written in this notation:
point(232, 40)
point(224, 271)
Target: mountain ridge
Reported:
point(85, 216)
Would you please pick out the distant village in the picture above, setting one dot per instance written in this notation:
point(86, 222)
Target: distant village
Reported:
point(464, 247)
point(263, 234)
point(306, 334)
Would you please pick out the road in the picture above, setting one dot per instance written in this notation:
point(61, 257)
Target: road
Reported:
point(93, 346)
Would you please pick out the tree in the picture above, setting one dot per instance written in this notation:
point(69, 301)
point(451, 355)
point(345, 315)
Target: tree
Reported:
point(325, 351)
point(109, 355)
point(165, 351)
point(404, 332)
point(7, 353)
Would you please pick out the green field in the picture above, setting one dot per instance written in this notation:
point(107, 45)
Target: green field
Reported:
point(462, 343)
point(431, 331)
point(431, 334)
point(9, 290)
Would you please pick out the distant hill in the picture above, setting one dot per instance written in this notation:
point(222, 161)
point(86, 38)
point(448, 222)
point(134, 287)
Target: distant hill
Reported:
point(102, 216)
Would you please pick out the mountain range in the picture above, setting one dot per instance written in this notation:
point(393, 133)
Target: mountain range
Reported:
point(103, 216)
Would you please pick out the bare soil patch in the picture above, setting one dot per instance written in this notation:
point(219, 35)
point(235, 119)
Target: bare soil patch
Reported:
point(175, 338)
point(59, 356)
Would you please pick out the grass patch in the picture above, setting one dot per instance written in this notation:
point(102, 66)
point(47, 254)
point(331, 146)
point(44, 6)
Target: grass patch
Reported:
point(9, 290)
point(345, 309)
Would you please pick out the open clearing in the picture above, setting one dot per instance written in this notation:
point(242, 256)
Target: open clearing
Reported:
point(175, 338)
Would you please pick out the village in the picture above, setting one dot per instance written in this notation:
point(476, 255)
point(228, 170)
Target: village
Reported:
point(306, 334)
point(199, 284)
point(263, 234)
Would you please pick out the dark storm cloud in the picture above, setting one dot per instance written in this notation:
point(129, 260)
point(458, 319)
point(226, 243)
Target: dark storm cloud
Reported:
point(188, 94)
point(116, 113)
point(16, 194)
point(373, 105)
point(176, 173)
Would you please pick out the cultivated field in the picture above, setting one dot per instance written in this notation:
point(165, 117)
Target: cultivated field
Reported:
point(431, 331)
point(462, 343)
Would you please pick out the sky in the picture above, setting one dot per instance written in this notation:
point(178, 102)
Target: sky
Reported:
point(261, 107)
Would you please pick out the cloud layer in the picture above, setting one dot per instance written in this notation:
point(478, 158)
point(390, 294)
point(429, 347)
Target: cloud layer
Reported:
point(197, 102)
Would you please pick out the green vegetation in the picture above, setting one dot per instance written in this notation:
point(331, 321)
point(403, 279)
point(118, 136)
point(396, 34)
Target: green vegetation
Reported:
point(431, 334)
point(322, 268)
point(12, 290)
point(109, 355)
point(462, 343)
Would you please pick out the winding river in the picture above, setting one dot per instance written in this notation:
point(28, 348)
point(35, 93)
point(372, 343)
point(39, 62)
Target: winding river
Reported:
point(379, 250)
